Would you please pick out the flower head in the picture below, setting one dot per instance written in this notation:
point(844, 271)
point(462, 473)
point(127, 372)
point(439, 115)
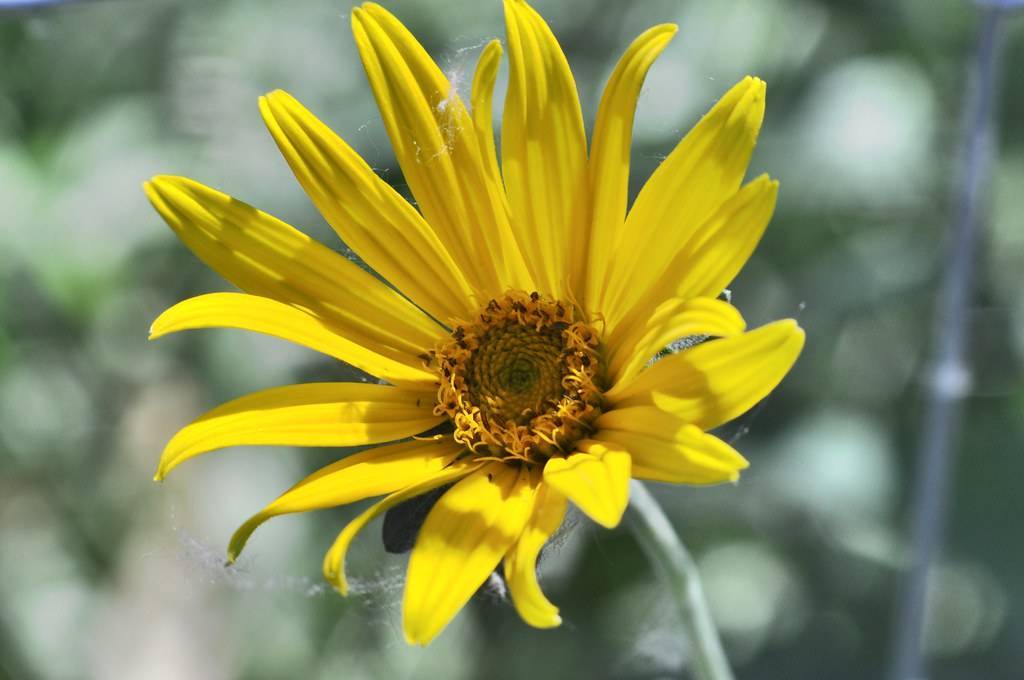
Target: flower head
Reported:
point(531, 304)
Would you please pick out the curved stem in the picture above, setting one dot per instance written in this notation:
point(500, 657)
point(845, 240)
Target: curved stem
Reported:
point(673, 561)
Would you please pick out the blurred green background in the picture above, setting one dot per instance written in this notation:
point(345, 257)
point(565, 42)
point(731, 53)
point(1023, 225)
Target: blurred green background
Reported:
point(104, 574)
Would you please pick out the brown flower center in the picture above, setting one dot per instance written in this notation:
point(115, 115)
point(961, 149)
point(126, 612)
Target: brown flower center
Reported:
point(518, 381)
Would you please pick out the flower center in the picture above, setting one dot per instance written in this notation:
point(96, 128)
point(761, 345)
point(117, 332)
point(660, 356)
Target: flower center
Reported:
point(518, 381)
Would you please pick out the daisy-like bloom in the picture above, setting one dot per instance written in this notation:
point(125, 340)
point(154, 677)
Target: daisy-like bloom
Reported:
point(527, 305)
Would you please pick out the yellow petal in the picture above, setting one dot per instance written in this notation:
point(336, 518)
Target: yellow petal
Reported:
point(481, 98)
point(596, 479)
point(665, 448)
point(714, 382)
point(713, 256)
point(521, 561)
point(704, 169)
point(263, 315)
point(315, 414)
point(362, 475)
point(544, 154)
point(711, 260)
point(334, 560)
point(610, 151)
point(462, 540)
point(674, 319)
point(264, 256)
point(436, 145)
point(368, 215)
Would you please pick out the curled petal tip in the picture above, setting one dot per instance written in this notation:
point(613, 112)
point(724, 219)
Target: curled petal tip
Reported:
point(668, 30)
point(796, 332)
point(336, 579)
point(157, 180)
point(340, 586)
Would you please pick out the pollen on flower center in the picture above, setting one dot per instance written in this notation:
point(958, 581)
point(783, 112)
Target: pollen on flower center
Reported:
point(519, 380)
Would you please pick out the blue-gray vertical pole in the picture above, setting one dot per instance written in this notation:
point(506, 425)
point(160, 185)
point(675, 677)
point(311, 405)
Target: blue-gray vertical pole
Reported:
point(949, 377)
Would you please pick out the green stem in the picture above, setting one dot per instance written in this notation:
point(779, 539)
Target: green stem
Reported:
point(673, 561)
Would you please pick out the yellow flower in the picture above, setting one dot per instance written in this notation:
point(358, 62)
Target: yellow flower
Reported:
point(531, 305)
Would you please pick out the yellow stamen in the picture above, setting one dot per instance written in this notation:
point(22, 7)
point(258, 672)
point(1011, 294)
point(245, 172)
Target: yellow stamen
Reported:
point(518, 382)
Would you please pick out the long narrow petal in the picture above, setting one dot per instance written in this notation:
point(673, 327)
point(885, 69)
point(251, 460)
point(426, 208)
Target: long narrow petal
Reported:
point(714, 382)
point(461, 542)
point(666, 448)
point(435, 143)
point(481, 99)
point(264, 256)
point(704, 169)
point(544, 154)
point(610, 152)
point(720, 248)
point(263, 315)
point(376, 472)
point(674, 319)
point(314, 414)
point(520, 566)
point(369, 216)
point(713, 255)
point(334, 560)
point(595, 478)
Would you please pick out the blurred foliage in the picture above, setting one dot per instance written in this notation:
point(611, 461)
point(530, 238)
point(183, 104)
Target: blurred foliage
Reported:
point(105, 575)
